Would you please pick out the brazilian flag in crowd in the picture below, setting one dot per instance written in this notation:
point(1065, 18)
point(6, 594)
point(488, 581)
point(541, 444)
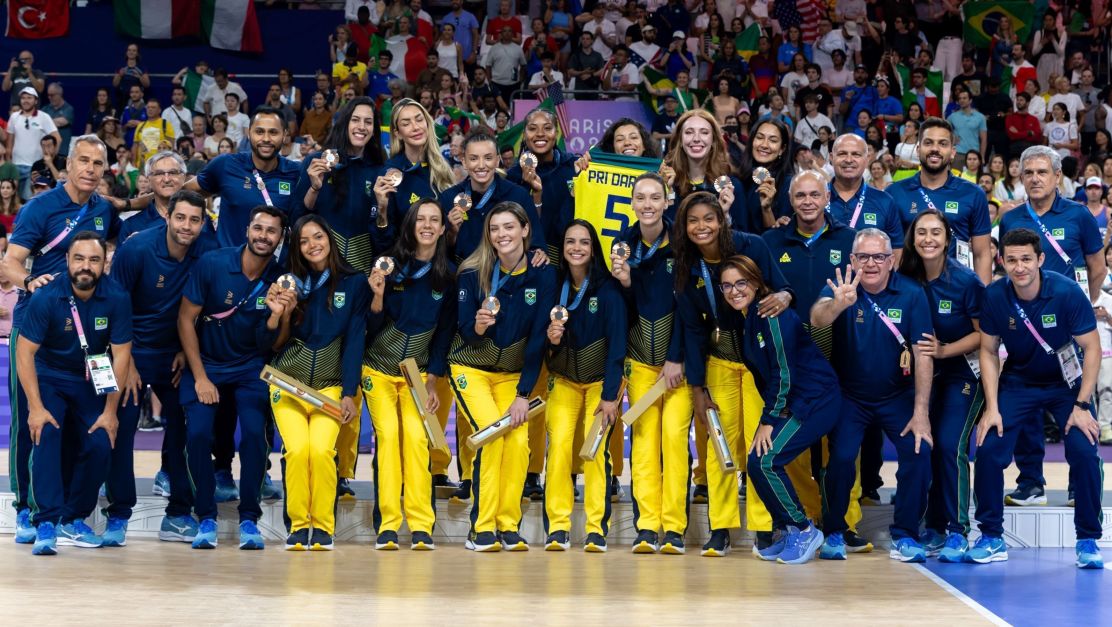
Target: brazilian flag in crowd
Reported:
point(513, 135)
point(982, 19)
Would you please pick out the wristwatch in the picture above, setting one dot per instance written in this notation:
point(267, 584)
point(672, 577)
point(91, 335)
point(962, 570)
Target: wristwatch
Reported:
point(1086, 405)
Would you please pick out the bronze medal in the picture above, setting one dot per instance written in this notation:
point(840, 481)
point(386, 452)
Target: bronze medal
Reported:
point(528, 160)
point(722, 183)
point(760, 174)
point(620, 250)
point(394, 177)
point(559, 313)
point(384, 265)
point(492, 305)
point(331, 157)
point(287, 282)
point(464, 202)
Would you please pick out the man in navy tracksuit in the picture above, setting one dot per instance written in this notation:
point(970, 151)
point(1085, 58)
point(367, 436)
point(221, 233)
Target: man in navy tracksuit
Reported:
point(222, 328)
point(878, 316)
point(1043, 318)
point(153, 267)
point(64, 367)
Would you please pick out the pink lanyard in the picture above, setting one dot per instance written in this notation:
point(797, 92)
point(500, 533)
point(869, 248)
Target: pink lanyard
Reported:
point(887, 321)
point(1053, 242)
point(1030, 327)
point(262, 188)
point(80, 334)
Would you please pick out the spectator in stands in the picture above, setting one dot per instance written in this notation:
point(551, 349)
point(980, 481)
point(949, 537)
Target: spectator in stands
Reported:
point(807, 130)
point(225, 147)
point(177, 115)
point(481, 88)
point(677, 58)
point(219, 130)
point(829, 40)
point(970, 130)
point(777, 110)
point(133, 113)
point(1048, 45)
point(213, 98)
point(20, 74)
point(26, 128)
point(860, 96)
point(1087, 116)
point(558, 20)
point(130, 75)
point(906, 155)
point(48, 167)
point(9, 202)
point(671, 17)
point(644, 48)
point(732, 66)
point(504, 19)
point(200, 133)
point(338, 43)
point(505, 62)
point(548, 75)
point(621, 75)
point(605, 37)
point(665, 122)
point(8, 171)
point(970, 76)
point(792, 45)
point(814, 87)
point(762, 66)
point(238, 121)
point(379, 81)
point(466, 33)
point(1060, 92)
point(995, 105)
point(585, 67)
point(61, 112)
point(449, 54)
point(290, 94)
point(351, 71)
point(489, 111)
point(362, 31)
point(98, 110)
point(125, 173)
point(1022, 70)
point(926, 98)
point(151, 133)
point(430, 77)
point(723, 104)
point(111, 133)
point(274, 101)
point(1061, 131)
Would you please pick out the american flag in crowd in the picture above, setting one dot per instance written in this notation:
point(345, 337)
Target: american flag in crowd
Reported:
point(555, 93)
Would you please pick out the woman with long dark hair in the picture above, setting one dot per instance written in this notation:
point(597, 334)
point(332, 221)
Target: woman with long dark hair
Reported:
point(712, 355)
point(495, 361)
point(770, 147)
point(412, 314)
point(320, 343)
point(587, 349)
point(659, 459)
point(801, 398)
point(957, 398)
point(100, 108)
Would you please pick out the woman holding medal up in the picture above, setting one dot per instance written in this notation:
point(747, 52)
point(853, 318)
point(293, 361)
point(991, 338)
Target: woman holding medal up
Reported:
point(587, 345)
point(768, 161)
point(412, 315)
point(660, 461)
point(334, 185)
point(546, 174)
point(712, 356)
point(320, 343)
point(954, 294)
point(495, 359)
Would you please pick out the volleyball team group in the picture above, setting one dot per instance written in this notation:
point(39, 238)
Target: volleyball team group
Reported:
point(779, 313)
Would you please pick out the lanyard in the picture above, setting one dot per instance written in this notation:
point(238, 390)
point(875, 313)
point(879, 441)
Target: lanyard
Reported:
point(1045, 233)
point(80, 329)
point(413, 167)
point(254, 292)
point(1030, 327)
point(70, 226)
point(637, 258)
point(497, 279)
point(262, 187)
point(709, 289)
point(927, 199)
point(486, 195)
point(578, 296)
point(814, 238)
point(886, 320)
point(861, 205)
point(422, 271)
point(303, 286)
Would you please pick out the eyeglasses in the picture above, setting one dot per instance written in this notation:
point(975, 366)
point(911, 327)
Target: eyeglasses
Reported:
point(26, 124)
point(865, 258)
point(165, 173)
point(732, 287)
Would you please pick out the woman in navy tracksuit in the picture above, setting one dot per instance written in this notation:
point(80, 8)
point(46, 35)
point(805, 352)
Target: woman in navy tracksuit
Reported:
point(801, 405)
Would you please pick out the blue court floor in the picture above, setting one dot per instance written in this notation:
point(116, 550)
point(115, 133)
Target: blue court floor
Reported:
point(1034, 587)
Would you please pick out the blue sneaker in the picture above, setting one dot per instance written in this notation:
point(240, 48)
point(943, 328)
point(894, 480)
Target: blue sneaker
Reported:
point(206, 534)
point(270, 492)
point(249, 537)
point(801, 546)
point(1088, 555)
point(932, 542)
point(908, 550)
point(987, 549)
point(24, 531)
point(226, 489)
point(833, 548)
point(77, 533)
point(161, 485)
point(46, 540)
point(115, 534)
point(772, 551)
point(178, 529)
point(955, 549)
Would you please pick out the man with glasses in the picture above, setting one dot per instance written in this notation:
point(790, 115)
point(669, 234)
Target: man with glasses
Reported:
point(878, 317)
point(21, 74)
point(166, 172)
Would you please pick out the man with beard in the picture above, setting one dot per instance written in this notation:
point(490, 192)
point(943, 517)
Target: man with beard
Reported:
point(963, 202)
point(166, 172)
point(65, 369)
point(45, 228)
point(153, 267)
point(247, 179)
point(223, 322)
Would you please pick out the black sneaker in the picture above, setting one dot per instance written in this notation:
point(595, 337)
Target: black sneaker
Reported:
point(595, 543)
point(322, 541)
point(718, 545)
point(462, 493)
point(699, 495)
point(343, 490)
point(855, 543)
point(533, 490)
point(1026, 495)
point(557, 541)
point(763, 540)
point(646, 542)
point(869, 498)
point(421, 541)
point(298, 540)
point(741, 487)
point(484, 542)
point(443, 487)
point(512, 541)
point(616, 491)
point(672, 544)
point(387, 541)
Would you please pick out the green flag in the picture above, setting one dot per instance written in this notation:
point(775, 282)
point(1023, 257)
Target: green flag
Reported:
point(746, 41)
point(982, 19)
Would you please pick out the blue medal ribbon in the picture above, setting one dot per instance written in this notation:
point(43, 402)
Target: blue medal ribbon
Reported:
point(303, 288)
point(578, 296)
point(400, 275)
point(709, 289)
point(637, 258)
point(486, 195)
point(497, 279)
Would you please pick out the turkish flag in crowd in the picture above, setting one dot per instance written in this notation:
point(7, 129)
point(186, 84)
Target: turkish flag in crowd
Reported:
point(37, 19)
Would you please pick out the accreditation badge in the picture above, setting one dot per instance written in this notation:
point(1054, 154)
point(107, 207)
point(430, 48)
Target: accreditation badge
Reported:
point(1069, 363)
point(100, 371)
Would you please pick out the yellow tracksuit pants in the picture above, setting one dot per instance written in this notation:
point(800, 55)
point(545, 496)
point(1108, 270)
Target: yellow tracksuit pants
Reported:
point(347, 444)
point(699, 469)
point(401, 455)
point(571, 408)
point(309, 449)
point(439, 458)
point(660, 458)
point(499, 469)
point(732, 388)
point(537, 426)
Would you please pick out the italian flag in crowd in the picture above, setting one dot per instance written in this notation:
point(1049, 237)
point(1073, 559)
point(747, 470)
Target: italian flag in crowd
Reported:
point(226, 24)
point(231, 25)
